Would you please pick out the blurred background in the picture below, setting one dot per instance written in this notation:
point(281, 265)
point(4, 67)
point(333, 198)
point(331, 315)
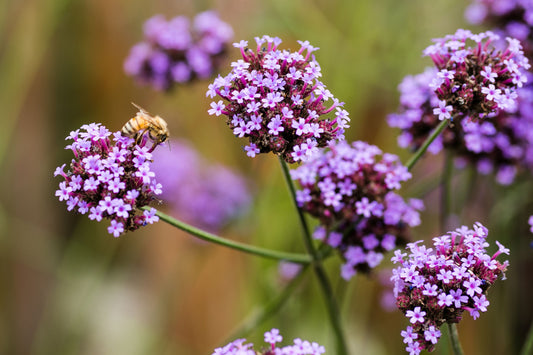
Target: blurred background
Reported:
point(68, 287)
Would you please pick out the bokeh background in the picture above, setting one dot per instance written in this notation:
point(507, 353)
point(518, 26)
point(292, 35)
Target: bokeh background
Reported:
point(68, 287)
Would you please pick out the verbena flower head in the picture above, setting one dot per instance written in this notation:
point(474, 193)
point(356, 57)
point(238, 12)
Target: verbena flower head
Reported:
point(110, 177)
point(300, 347)
point(176, 52)
point(436, 285)
point(512, 17)
point(207, 196)
point(350, 189)
point(502, 144)
point(476, 79)
point(275, 99)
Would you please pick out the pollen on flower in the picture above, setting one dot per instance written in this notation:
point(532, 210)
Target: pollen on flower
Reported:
point(350, 189)
point(107, 180)
point(275, 99)
point(177, 52)
point(436, 285)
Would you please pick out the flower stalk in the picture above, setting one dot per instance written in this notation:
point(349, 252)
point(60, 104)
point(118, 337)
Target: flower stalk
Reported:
point(325, 285)
point(454, 338)
point(528, 344)
point(418, 154)
point(250, 249)
point(444, 214)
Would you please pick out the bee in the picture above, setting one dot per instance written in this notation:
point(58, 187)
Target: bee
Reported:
point(144, 123)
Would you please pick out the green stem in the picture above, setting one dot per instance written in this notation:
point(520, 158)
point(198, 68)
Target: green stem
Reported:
point(444, 213)
point(527, 348)
point(443, 124)
point(325, 286)
point(454, 337)
point(267, 253)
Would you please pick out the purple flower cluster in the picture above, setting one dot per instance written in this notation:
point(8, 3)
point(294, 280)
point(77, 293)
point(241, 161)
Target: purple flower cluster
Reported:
point(478, 81)
point(275, 99)
point(513, 17)
point(207, 196)
point(350, 190)
point(109, 178)
point(502, 144)
point(176, 52)
point(300, 347)
point(434, 286)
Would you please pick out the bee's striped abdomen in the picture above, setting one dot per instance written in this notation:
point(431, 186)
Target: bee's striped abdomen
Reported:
point(134, 126)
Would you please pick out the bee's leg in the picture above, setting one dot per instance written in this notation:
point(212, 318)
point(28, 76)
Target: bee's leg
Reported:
point(140, 137)
point(155, 143)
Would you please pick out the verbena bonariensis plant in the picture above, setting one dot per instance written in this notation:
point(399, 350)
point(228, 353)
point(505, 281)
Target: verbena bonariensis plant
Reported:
point(435, 286)
point(300, 347)
point(109, 177)
point(174, 52)
point(274, 98)
point(349, 188)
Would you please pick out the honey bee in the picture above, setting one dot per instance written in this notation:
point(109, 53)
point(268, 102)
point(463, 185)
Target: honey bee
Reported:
point(144, 123)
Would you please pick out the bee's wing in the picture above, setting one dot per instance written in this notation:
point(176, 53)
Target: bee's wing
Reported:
point(155, 122)
point(159, 122)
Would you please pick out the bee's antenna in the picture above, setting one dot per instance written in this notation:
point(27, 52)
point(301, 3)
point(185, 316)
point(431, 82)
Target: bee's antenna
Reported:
point(138, 107)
